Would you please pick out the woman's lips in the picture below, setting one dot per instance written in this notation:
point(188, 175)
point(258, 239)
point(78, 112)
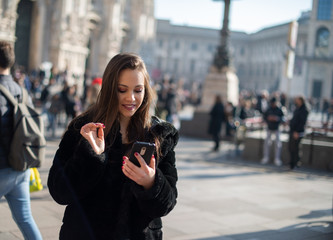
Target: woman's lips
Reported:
point(129, 107)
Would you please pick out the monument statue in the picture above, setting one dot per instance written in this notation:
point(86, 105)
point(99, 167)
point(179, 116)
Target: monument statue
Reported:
point(220, 80)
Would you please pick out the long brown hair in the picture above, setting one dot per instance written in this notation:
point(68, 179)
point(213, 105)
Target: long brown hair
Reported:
point(106, 109)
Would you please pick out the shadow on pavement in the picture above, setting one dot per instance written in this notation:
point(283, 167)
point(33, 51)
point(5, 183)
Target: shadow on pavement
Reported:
point(317, 230)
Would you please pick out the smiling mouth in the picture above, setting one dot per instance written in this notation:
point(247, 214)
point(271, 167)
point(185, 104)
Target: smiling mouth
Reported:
point(129, 107)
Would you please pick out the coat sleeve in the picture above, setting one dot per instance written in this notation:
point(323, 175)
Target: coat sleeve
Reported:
point(159, 200)
point(76, 169)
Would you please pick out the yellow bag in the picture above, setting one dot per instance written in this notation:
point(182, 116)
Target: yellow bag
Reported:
point(35, 181)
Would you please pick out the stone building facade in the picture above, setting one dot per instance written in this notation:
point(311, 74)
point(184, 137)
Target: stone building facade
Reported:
point(76, 36)
point(259, 59)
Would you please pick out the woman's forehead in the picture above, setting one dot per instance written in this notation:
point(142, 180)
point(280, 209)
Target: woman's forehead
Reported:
point(131, 77)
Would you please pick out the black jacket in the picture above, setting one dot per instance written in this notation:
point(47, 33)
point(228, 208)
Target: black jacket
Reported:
point(298, 121)
point(102, 203)
point(277, 112)
point(217, 116)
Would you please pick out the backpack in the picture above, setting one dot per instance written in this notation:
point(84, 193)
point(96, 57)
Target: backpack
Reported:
point(27, 148)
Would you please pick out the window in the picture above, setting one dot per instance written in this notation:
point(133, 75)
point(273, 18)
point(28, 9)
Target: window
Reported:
point(322, 41)
point(271, 71)
point(316, 88)
point(192, 66)
point(264, 71)
point(176, 45)
point(175, 66)
point(242, 51)
point(324, 10)
point(298, 66)
point(210, 48)
point(322, 37)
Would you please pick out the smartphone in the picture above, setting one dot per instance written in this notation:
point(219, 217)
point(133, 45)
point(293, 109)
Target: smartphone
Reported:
point(145, 149)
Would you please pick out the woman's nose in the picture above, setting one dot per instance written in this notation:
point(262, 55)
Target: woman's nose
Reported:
point(130, 96)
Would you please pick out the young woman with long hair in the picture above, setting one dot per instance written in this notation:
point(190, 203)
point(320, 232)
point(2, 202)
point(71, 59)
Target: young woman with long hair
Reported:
point(107, 196)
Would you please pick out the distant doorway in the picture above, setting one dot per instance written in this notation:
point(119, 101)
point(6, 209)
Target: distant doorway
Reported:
point(317, 88)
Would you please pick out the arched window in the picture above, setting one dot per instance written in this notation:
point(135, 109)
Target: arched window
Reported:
point(322, 37)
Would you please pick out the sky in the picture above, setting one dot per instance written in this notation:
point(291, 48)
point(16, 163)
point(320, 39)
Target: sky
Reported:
point(245, 15)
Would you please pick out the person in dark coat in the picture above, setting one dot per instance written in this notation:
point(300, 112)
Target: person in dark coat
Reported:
point(107, 196)
point(217, 116)
point(297, 129)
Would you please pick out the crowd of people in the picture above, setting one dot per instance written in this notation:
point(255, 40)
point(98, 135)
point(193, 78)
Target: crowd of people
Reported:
point(274, 116)
point(61, 102)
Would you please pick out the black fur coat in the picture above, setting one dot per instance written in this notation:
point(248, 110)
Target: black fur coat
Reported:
point(102, 203)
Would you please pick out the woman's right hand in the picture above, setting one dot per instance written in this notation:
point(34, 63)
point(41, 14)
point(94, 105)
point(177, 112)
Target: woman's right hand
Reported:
point(94, 134)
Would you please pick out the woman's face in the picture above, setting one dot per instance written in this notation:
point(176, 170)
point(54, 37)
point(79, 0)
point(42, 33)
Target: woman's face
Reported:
point(131, 91)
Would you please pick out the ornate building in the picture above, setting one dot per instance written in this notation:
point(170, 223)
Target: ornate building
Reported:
point(76, 36)
point(259, 58)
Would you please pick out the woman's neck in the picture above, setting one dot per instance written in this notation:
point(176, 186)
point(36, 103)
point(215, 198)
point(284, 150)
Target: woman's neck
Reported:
point(123, 128)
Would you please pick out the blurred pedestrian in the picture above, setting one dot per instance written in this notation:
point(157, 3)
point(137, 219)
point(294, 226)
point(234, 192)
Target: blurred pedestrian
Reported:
point(262, 101)
point(108, 196)
point(92, 92)
point(273, 117)
point(324, 110)
point(171, 105)
point(330, 113)
point(297, 130)
point(217, 117)
point(55, 108)
point(14, 185)
point(229, 117)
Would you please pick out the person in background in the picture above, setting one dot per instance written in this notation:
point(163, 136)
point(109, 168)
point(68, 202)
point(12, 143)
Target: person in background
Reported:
point(296, 130)
point(324, 110)
point(330, 114)
point(92, 92)
point(273, 117)
point(262, 101)
point(14, 185)
point(230, 115)
point(106, 195)
point(217, 117)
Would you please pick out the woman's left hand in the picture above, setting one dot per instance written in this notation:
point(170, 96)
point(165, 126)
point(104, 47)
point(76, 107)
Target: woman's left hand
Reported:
point(143, 175)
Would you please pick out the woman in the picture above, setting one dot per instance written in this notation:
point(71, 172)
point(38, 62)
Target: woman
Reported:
point(217, 117)
point(107, 196)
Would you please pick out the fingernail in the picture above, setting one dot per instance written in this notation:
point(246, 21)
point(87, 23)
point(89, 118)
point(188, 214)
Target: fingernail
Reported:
point(123, 162)
point(122, 167)
point(154, 156)
point(103, 125)
point(124, 157)
point(136, 154)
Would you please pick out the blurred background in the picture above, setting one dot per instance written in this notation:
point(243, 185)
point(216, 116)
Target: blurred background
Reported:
point(275, 48)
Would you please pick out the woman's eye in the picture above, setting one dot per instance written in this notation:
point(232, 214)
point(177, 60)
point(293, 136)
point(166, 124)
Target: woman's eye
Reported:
point(138, 90)
point(121, 90)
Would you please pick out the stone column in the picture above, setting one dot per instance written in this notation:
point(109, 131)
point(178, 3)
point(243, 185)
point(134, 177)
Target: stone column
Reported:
point(8, 17)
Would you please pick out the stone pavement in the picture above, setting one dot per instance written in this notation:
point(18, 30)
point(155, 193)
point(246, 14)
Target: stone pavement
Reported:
point(221, 197)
